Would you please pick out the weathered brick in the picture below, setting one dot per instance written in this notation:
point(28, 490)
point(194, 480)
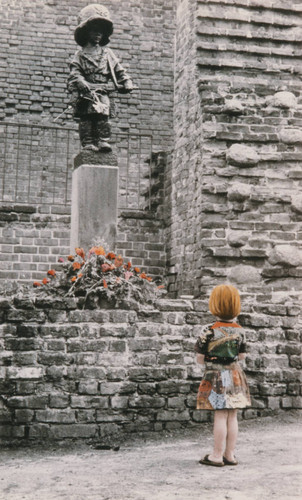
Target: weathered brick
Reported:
point(28, 401)
point(25, 315)
point(110, 388)
point(84, 372)
point(119, 402)
point(24, 416)
point(56, 416)
point(141, 359)
point(89, 402)
point(56, 372)
point(146, 402)
point(147, 374)
point(177, 402)
point(86, 416)
point(52, 358)
point(27, 330)
point(25, 358)
point(22, 344)
point(171, 358)
point(56, 345)
point(116, 330)
point(118, 346)
point(88, 387)
point(116, 374)
point(98, 346)
point(16, 372)
point(58, 401)
point(110, 416)
point(145, 344)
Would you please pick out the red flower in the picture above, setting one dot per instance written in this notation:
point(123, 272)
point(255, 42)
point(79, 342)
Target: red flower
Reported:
point(76, 265)
point(51, 272)
point(37, 283)
point(100, 251)
point(137, 270)
point(110, 256)
point(107, 267)
point(80, 252)
point(145, 277)
point(97, 251)
point(80, 275)
point(129, 265)
point(70, 258)
point(45, 281)
point(118, 261)
point(160, 286)
point(60, 259)
point(105, 284)
point(73, 279)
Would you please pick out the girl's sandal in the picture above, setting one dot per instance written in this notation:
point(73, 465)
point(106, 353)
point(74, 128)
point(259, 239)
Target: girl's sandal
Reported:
point(206, 461)
point(229, 462)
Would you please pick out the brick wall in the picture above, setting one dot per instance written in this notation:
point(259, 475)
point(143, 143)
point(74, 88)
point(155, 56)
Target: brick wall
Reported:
point(141, 239)
point(183, 182)
point(68, 373)
point(33, 237)
point(142, 234)
point(236, 196)
point(37, 43)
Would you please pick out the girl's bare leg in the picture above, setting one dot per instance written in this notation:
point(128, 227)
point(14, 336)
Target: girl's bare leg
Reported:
point(232, 433)
point(220, 434)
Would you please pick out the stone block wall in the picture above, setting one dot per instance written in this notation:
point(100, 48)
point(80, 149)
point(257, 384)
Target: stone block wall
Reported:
point(236, 196)
point(68, 373)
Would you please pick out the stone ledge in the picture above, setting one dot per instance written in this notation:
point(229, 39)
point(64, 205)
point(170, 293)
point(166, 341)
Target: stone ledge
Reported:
point(95, 158)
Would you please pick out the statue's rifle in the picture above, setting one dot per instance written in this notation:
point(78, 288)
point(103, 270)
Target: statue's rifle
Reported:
point(63, 112)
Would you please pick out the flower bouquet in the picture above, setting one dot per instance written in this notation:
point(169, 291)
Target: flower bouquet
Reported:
point(98, 278)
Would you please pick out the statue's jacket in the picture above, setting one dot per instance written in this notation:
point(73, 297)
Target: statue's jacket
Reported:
point(98, 69)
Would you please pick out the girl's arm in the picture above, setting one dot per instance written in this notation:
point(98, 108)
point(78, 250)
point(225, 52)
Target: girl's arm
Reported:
point(200, 358)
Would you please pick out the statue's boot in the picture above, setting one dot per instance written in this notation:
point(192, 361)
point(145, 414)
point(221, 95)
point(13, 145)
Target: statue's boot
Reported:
point(90, 147)
point(104, 146)
point(86, 132)
point(102, 132)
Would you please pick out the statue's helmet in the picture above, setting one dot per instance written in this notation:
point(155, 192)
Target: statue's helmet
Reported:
point(93, 12)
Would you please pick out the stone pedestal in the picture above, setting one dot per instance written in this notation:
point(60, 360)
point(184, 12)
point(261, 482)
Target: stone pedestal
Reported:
point(94, 206)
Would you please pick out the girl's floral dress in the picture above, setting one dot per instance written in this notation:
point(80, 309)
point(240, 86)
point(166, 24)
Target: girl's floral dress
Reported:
point(224, 384)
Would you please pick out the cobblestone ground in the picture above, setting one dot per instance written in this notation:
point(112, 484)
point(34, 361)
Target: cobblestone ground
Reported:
point(163, 468)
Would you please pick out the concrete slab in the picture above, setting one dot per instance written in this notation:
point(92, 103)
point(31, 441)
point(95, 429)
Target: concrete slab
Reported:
point(94, 206)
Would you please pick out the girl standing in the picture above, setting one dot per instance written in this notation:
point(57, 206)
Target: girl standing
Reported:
point(223, 387)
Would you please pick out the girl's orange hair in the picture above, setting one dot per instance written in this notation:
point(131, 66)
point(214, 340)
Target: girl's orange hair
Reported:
point(225, 302)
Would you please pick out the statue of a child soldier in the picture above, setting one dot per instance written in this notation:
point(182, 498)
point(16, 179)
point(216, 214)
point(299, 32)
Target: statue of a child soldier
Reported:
point(94, 71)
